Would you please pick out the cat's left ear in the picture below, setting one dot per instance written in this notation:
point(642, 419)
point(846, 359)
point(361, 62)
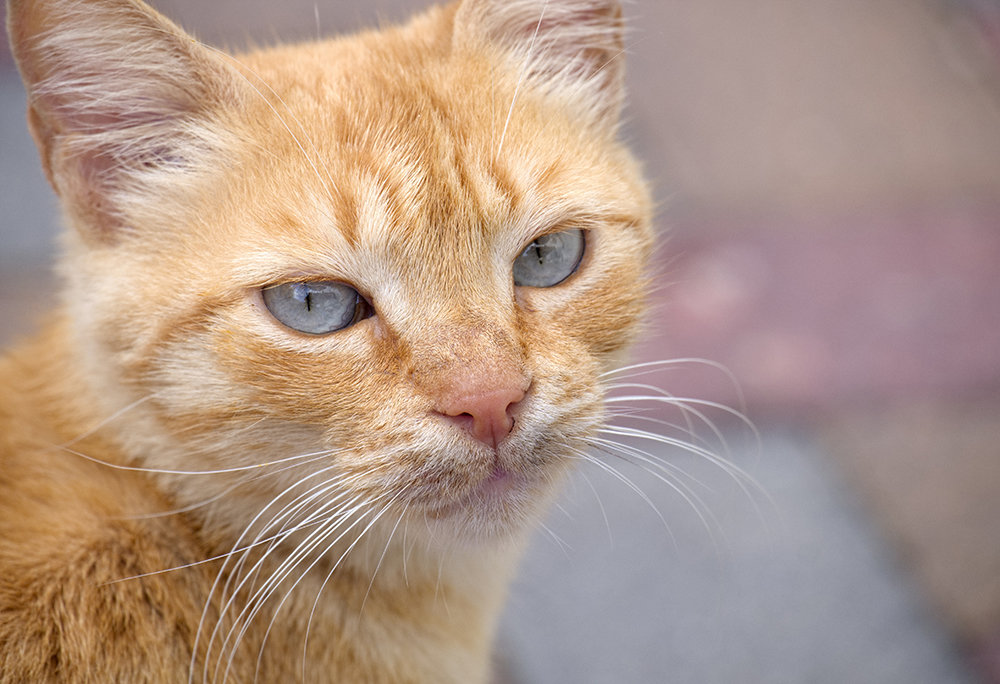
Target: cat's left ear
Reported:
point(571, 47)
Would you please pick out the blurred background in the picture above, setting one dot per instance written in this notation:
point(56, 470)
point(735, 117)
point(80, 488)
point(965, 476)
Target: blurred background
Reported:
point(829, 183)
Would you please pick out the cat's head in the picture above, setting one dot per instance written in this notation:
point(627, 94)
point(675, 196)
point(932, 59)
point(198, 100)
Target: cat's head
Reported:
point(392, 265)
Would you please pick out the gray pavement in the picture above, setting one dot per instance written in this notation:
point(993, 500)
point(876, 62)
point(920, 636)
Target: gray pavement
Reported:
point(802, 591)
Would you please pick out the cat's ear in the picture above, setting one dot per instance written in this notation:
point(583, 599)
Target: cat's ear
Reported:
point(116, 93)
point(575, 47)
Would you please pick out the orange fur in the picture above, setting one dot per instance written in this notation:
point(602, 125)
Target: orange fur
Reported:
point(415, 164)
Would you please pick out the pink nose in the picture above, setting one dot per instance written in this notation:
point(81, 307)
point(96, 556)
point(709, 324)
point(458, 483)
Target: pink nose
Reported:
point(487, 414)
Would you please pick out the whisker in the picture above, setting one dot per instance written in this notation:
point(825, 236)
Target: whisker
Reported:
point(630, 484)
point(243, 551)
point(378, 565)
point(740, 476)
point(241, 67)
point(333, 569)
point(114, 416)
point(636, 415)
point(300, 554)
point(292, 518)
point(169, 471)
point(236, 550)
point(560, 544)
point(662, 473)
point(644, 367)
point(190, 507)
point(562, 509)
point(228, 490)
point(665, 465)
point(520, 79)
point(406, 551)
point(291, 521)
point(259, 597)
point(687, 405)
point(600, 506)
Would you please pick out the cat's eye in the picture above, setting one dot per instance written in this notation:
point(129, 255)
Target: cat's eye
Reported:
point(317, 307)
point(550, 259)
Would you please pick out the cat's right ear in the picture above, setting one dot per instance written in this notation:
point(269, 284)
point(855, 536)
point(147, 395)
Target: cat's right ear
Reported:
point(116, 94)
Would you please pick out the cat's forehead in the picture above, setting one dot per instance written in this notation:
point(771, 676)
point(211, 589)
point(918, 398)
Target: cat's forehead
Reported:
point(416, 160)
point(394, 154)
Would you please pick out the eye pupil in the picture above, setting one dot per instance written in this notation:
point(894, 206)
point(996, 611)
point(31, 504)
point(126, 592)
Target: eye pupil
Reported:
point(315, 307)
point(549, 259)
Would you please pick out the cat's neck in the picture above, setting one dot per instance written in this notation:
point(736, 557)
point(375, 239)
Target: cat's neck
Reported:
point(435, 622)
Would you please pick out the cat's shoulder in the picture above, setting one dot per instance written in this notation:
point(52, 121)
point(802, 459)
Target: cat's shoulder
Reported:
point(77, 602)
point(69, 544)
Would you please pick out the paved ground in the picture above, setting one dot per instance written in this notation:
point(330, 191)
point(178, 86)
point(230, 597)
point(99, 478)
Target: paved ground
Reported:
point(802, 591)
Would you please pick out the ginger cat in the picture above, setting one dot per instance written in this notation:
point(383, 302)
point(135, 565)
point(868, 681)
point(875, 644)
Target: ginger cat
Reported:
point(334, 325)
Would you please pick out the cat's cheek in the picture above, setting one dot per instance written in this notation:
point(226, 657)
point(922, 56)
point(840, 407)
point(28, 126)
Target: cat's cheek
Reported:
point(599, 312)
point(608, 325)
point(599, 320)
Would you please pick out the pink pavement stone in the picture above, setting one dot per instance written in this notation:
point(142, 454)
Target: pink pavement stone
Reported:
point(833, 312)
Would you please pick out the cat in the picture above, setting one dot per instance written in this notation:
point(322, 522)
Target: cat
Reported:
point(336, 322)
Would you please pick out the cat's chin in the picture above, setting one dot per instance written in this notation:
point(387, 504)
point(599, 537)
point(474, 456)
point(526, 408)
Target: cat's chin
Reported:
point(500, 489)
point(501, 506)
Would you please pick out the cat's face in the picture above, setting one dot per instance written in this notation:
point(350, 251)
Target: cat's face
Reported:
point(400, 262)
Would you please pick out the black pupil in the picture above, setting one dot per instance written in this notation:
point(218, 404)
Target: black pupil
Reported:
point(540, 249)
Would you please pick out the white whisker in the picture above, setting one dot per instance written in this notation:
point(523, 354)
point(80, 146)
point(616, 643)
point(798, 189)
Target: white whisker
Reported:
point(600, 506)
point(378, 565)
point(663, 465)
point(114, 416)
point(743, 479)
point(170, 471)
point(687, 405)
point(336, 565)
point(243, 551)
point(259, 597)
point(631, 485)
point(560, 544)
point(646, 367)
point(520, 79)
point(664, 472)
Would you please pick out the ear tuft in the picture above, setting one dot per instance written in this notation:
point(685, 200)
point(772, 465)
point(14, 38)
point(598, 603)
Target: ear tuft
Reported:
point(115, 91)
point(571, 46)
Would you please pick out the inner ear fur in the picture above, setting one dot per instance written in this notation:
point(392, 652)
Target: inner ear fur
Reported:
point(572, 47)
point(115, 92)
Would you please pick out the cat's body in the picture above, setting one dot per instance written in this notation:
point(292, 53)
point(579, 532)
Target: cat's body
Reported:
point(210, 464)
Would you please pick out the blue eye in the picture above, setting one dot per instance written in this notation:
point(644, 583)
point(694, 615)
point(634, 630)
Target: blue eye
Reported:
point(316, 308)
point(550, 259)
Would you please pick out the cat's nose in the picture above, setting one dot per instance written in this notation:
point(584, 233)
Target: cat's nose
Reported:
point(486, 411)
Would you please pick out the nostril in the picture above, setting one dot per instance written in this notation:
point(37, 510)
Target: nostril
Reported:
point(466, 421)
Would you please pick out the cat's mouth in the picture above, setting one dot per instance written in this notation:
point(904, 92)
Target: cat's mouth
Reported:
point(498, 484)
point(500, 491)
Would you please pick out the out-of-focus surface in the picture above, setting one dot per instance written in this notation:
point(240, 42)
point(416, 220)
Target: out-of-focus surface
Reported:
point(830, 177)
point(812, 595)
